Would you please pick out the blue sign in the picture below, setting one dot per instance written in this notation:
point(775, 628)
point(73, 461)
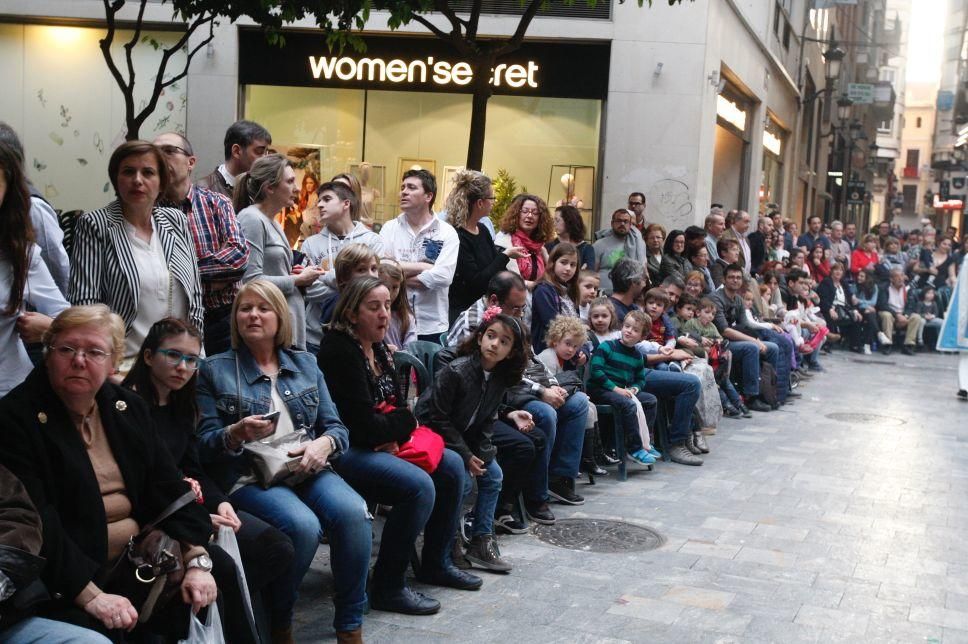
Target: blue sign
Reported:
point(946, 101)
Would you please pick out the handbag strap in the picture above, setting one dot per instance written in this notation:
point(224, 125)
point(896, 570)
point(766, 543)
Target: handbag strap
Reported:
point(238, 388)
point(172, 508)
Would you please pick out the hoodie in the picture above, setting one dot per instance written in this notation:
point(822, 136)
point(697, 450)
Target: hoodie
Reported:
point(321, 250)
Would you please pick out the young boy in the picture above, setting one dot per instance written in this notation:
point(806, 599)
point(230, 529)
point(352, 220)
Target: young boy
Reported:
point(662, 330)
point(702, 326)
point(337, 206)
point(685, 311)
point(355, 260)
point(588, 285)
point(618, 375)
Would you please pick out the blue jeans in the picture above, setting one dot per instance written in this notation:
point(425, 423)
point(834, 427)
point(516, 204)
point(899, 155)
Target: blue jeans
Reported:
point(624, 406)
point(747, 354)
point(488, 491)
point(564, 430)
point(325, 502)
point(37, 630)
point(419, 501)
point(782, 363)
point(728, 394)
point(683, 389)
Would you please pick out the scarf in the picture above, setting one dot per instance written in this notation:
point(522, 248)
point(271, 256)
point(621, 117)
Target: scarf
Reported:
point(532, 265)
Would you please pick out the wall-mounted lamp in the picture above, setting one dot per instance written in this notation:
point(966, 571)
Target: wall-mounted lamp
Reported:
point(713, 78)
point(658, 69)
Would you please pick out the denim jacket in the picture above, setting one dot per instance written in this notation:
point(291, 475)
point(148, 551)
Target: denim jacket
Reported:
point(222, 402)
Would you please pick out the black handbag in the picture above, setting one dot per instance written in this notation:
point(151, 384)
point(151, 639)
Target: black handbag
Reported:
point(149, 571)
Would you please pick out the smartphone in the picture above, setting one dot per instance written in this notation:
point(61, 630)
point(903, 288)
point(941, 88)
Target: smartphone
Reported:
point(272, 415)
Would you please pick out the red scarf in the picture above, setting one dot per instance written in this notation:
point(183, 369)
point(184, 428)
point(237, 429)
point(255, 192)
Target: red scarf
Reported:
point(532, 265)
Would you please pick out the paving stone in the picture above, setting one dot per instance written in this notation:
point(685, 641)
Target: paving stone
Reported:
point(722, 621)
point(717, 523)
point(839, 620)
point(939, 616)
point(699, 597)
point(645, 608)
point(771, 557)
point(705, 549)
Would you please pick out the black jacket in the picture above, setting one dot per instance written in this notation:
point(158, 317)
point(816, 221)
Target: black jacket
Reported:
point(827, 291)
point(461, 406)
point(344, 367)
point(757, 242)
point(178, 435)
point(40, 445)
point(883, 303)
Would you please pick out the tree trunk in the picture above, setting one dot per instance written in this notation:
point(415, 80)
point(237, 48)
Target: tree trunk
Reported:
point(482, 92)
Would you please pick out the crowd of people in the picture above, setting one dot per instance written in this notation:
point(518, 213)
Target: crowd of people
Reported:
point(175, 366)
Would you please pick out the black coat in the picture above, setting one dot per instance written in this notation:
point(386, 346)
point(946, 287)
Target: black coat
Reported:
point(757, 242)
point(41, 446)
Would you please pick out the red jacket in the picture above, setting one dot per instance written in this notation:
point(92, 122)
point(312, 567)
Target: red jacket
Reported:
point(860, 259)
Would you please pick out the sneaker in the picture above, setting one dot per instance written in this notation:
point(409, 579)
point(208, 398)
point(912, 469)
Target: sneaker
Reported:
point(743, 409)
point(509, 524)
point(466, 523)
point(484, 553)
point(908, 349)
point(642, 457)
point(562, 490)
point(700, 441)
point(883, 339)
point(731, 412)
point(656, 454)
point(457, 556)
point(691, 444)
point(679, 454)
point(539, 513)
point(867, 350)
point(607, 458)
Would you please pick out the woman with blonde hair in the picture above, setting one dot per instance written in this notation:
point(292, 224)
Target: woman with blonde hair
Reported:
point(470, 200)
point(362, 213)
point(267, 188)
point(262, 389)
point(527, 224)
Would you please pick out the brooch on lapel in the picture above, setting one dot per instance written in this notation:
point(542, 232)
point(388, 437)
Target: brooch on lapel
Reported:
point(120, 405)
point(42, 417)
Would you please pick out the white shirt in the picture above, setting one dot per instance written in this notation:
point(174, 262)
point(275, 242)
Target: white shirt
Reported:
point(159, 293)
point(42, 293)
point(895, 299)
point(437, 243)
point(228, 176)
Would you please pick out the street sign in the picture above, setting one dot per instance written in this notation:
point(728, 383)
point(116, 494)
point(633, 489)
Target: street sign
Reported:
point(946, 101)
point(860, 93)
point(855, 192)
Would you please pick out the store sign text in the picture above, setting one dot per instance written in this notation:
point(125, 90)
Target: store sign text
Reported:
point(730, 112)
point(440, 72)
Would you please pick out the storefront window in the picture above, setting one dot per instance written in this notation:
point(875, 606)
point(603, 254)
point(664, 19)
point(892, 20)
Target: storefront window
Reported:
point(730, 157)
point(771, 183)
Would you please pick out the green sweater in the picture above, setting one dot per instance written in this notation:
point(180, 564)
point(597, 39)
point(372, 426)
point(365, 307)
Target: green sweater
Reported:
point(616, 365)
point(708, 331)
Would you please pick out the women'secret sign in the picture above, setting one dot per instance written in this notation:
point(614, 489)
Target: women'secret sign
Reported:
point(440, 72)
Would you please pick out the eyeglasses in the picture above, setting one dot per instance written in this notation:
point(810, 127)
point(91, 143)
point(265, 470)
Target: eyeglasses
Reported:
point(97, 356)
point(174, 149)
point(529, 211)
point(636, 203)
point(489, 198)
point(172, 358)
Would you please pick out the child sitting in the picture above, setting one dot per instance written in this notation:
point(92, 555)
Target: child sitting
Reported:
point(685, 311)
point(589, 283)
point(602, 322)
point(403, 327)
point(702, 326)
point(662, 331)
point(353, 260)
point(927, 307)
point(618, 376)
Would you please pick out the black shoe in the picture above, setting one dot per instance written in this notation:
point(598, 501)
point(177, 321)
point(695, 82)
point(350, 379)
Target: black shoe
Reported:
point(451, 577)
point(732, 412)
point(755, 404)
point(484, 553)
point(589, 466)
point(907, 350)
point(509, 524)
point(562, 489)
point(607, 458)
point(887, 349)
point(962, 395)
point(539, 513)
point(743, 409)
point(405, 600)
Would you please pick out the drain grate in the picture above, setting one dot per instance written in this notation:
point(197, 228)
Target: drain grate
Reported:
point(599, 535)
point(865, 419)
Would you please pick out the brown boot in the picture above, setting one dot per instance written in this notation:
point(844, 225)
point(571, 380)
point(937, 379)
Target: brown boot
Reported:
point(282, 635)
point(350, 637)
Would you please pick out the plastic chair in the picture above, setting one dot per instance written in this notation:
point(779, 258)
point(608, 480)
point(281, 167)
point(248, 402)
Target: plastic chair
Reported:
point(405, 363)
point(607, 413)
point(443, 339)
point(424, 352)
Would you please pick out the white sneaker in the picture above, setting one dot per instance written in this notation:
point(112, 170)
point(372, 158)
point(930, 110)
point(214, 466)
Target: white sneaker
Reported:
point(883, 339)
point(867, 349)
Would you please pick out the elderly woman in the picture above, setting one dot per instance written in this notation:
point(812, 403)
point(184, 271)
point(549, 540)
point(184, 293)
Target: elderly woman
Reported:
point(78, 444)
point(654, 236)
point(135, 257)
point(469, 201)
point(237, 390)
point(359, 369)
point(266, 189)
point(527, 224)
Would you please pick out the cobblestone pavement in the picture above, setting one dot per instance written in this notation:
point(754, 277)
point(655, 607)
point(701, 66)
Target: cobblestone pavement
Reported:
point(800, 527)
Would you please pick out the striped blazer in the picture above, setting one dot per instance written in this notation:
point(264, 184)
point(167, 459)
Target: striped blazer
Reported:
point(103, 268)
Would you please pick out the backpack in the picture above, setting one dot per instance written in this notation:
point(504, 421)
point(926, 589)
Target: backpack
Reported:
point(768, 387)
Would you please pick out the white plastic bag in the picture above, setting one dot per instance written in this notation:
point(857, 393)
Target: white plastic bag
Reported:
point(226, 541)
point(208, 633)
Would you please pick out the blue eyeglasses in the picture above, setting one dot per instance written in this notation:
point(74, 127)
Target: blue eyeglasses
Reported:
point(172, 358)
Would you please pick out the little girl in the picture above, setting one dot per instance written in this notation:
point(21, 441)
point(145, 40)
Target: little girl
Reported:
point(464, 406)
point(602, 324)
point(556, 294)
point(403, 328)
point(588, 284)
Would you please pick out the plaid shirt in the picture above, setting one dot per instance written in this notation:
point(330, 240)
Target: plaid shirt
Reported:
point(219, 244)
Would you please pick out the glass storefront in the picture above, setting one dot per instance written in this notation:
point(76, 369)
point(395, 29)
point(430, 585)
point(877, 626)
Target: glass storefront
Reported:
point(731, 153)
point(771, 183)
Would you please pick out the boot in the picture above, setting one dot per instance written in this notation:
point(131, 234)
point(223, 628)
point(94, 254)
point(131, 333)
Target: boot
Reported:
point(691, 443)
point(350, 637)
point(679, 454)
point(700, 442)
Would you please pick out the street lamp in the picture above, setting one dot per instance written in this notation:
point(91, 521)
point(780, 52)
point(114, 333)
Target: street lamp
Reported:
point(843, 108)
point(834, 56)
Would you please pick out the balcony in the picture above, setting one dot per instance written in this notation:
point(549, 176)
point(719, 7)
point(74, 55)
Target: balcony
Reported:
point(912, 173)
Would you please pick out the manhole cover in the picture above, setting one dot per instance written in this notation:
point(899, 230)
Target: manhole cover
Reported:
point(865, 419)
point(599, 535)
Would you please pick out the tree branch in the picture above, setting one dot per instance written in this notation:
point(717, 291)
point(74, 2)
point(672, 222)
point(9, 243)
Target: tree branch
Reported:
point(443, 35)
point(130, 45)
point(110, 9)
point(455, 23)
point(515, 40)
point(474, 20)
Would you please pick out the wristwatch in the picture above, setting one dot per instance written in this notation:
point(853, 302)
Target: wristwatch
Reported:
point(201, 561)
